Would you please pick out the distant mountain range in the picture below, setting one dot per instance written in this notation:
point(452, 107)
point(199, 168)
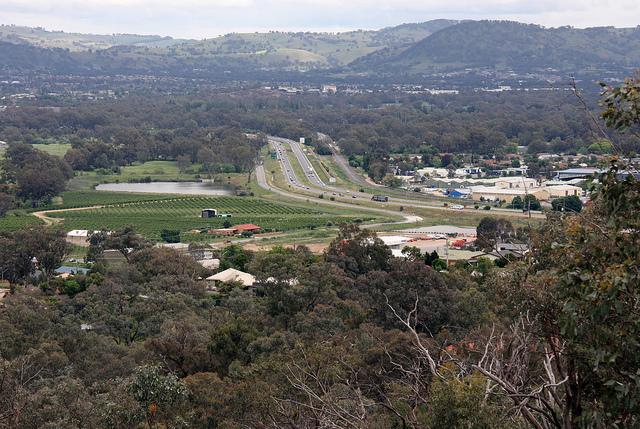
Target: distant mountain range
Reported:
point(410, 49)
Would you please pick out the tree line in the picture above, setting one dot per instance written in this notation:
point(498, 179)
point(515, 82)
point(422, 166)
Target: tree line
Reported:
point(370, 128)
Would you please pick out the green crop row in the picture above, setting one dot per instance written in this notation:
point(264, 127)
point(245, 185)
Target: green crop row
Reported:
point(74, 199)
point(11, 222)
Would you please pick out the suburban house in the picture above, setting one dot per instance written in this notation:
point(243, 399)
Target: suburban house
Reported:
point(182, 248)
point(210, 264)
point(223, 231)
point(230, 274)
point(235, 230)
point(246, 227)
point(433, 172)
point(474, 172)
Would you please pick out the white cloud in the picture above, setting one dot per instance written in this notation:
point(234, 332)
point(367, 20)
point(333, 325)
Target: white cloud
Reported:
point(106, 4)
point(209, 18)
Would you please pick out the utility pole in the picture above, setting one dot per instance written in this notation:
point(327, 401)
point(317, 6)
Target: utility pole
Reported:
point(446, 252)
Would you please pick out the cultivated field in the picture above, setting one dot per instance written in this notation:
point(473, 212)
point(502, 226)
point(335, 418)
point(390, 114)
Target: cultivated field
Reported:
point(183, 213)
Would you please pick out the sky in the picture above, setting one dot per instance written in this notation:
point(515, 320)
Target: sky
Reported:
point(200, 19)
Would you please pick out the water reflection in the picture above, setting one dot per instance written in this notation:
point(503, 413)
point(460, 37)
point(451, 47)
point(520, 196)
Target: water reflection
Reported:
point(201, 188)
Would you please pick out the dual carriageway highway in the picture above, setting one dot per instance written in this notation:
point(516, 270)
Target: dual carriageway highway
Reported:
point(317, 185)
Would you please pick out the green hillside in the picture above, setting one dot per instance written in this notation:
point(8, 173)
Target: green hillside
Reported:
point(511, 45)
point(42, 38)
point(303, 48)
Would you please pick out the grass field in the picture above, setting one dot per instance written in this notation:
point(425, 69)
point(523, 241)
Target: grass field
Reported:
point(151, 168)
point(53, 149)
point(155, 170)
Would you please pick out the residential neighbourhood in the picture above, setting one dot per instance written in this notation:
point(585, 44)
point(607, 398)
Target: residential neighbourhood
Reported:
point(480, 184)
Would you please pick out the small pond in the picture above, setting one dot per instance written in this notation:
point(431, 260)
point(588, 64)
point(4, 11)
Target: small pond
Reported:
point(189, 188)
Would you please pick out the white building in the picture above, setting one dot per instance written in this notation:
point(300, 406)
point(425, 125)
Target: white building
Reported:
point(556, 191)
point(395, 241)
point(493, 193)
point(79, 237)
point(433, 172)
point(513, 182)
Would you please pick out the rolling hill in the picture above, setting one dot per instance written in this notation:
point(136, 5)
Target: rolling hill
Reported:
point(42, 38)
point(511, 45)
point(411, 49)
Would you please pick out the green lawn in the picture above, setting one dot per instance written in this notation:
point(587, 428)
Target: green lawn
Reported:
point(151, 168)
point(156, 170)
point(53, 149)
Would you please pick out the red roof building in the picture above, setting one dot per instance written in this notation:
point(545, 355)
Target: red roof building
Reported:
point(247, 227)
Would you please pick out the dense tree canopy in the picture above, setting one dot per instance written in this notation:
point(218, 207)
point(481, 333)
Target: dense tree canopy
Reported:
point(32, 174)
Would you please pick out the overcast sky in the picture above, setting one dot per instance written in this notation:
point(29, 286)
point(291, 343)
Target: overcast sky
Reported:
point(198, 19)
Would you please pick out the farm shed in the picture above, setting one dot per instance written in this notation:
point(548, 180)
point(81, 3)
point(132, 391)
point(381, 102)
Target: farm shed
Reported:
point(79, 237)
point(207, 213)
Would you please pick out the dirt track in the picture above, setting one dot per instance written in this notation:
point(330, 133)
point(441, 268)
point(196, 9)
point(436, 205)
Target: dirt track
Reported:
point(50, 221)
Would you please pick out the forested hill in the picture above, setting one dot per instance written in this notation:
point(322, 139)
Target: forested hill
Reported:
point(511, 45)
point(26, 57)
point(410, 49)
